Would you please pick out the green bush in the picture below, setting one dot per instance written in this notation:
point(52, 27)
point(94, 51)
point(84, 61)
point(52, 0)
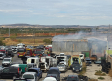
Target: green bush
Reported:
point(2, 38)
point(47, 41)
point(102, 78)
point(100, 73)
point(1, 43)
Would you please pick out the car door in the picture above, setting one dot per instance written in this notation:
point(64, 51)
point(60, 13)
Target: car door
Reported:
point(5, 72)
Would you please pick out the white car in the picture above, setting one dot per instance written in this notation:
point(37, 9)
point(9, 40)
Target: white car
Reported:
point(7, 61)
point(2, 55)
point(30, 76)
point(50, 79)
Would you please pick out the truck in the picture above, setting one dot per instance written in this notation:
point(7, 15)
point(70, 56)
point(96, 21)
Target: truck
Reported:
point(21, 45)
point(48, 60)
point(34, 60)
point(88, 54)
point(38, 52)
point(81, 57)
point(29, 52)
point(74, 59)
point(77, 58)
point(21, 52)
point(62, 57)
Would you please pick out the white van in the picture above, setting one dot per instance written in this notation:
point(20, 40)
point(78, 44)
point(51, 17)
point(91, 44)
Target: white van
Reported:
point(34, 60)
point(30, 76)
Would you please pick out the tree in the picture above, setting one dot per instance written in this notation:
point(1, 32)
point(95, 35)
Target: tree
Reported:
point(47, 41)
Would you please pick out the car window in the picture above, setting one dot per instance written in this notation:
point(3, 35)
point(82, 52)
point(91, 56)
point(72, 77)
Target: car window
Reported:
point(6, 70)
point(28, 76)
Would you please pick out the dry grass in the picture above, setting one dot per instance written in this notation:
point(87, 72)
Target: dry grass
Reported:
point(93, 80)
point(110, 73)
point(83, 69)
point(30, 41)
point(100, 73)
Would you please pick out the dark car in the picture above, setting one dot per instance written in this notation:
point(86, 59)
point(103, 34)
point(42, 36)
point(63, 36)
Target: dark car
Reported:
point(38, 72)
point(9, 53)
point(71, 78)
point(76, 67)
point(20, 79)
point(54, 72)
point(88, 61)
point(10, 72)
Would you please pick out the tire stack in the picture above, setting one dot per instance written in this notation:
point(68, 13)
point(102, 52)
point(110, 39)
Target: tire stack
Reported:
point(105, 66)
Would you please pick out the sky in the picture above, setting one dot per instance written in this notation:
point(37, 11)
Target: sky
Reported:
point(56, 12)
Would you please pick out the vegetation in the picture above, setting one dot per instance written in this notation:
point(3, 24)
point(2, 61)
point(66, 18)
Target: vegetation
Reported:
point(102, 78)
point(100, 73)
point(47, 41)
point(2, 38)
point(93, 80)
point(19, 40)
point(110, 73)
point(1, 43)
point(83, 69)
point(13, 37)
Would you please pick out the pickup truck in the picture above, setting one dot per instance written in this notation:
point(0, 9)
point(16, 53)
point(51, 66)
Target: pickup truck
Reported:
point(93, 58)
point(10, 72)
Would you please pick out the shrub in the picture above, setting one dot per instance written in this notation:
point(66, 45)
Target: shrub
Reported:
point(47, 41)
point(93, 80)
point(100, 73)
point(102, 78)
point(12, 37)
point(2, 38)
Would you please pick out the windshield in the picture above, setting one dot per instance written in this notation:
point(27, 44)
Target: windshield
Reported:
point(20, 80)
point(60, 58)
point(21, 50)
point(53, 72)
point(72, 79)
point(6, 60)
point(37, 52)
point(61, 65)
point(28, 76)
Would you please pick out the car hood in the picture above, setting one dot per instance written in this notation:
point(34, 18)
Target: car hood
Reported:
point(6, 62)
point(30, 80)
point(51, 75)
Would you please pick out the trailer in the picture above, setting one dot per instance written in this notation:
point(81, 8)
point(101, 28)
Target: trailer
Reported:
point(34, 60)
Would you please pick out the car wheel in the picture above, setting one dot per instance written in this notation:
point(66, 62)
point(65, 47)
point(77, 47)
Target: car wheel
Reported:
point(14, 77)
point(41, 76)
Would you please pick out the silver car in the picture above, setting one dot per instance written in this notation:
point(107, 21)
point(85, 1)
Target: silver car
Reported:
point(62, 67)
point(2, 55)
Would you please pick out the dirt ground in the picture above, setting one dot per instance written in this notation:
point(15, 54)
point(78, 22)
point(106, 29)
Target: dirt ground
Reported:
point(90, 71)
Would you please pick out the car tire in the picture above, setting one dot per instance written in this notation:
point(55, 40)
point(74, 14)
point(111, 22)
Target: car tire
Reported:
point(41, 76)
point(14, 77)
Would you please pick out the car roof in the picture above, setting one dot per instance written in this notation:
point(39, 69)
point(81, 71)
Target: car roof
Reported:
point(53, 68)
point(72, 75)
point(29, 73)
point(50, 78)
point(35, 68)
